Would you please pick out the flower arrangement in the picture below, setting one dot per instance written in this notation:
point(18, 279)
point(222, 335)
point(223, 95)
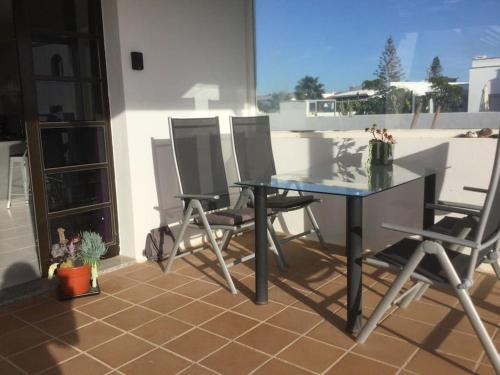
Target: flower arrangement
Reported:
point(380, 135)
point(79, 257)
point(381, 146)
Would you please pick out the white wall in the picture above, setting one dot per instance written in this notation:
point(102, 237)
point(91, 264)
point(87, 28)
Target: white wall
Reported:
point(469, 162)
point(193, 51)
point(483, 72)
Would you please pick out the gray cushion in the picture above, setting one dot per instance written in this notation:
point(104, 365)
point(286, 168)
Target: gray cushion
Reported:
point(231, 217)
point(280, 202)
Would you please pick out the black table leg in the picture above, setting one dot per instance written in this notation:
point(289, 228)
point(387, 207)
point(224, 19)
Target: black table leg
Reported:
point(261, 272)
point(429, 197)
point(354, 251)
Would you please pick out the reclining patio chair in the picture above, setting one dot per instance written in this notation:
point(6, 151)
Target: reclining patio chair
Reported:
point(199, 162)
point(446, 259)
point(253, 152)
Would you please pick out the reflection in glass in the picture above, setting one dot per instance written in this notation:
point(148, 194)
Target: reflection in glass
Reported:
point(11, 107)
point(6, 20)
point(97, 221)
point(68, 101)
point(54, 58)
point(73, 146)
point(76, 189)
point(62, 15)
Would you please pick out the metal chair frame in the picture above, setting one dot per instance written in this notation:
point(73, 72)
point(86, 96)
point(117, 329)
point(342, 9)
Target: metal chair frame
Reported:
point(482, 250)
point(315, 227)
point(194, 211)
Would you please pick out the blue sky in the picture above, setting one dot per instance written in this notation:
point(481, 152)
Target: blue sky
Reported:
point(341, 41)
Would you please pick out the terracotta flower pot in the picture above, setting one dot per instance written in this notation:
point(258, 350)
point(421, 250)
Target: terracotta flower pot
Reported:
point(74, 281)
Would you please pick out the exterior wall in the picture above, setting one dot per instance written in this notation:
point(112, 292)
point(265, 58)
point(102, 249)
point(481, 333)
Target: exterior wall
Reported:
point(483, 72)
point(292, 116)
point(198, 61)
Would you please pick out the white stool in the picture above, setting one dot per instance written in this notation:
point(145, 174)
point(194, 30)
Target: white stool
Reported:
point(22, 162)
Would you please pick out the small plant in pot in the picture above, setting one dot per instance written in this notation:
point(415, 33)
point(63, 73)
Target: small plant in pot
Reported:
point(381, 146)
point(75, 261)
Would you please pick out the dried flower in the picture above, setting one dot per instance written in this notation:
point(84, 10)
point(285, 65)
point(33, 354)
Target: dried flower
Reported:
point(380, 135)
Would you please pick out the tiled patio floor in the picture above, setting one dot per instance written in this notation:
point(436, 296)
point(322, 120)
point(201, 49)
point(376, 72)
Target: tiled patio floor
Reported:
point(186, 322)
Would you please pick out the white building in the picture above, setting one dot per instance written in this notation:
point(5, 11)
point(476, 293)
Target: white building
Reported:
point(484, 84)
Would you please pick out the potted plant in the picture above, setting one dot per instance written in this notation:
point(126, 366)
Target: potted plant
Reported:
point(75, 261)
point(381, 147)
point(92, 248)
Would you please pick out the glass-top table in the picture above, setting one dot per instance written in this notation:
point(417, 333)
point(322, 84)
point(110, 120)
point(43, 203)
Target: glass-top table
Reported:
point(354, 183)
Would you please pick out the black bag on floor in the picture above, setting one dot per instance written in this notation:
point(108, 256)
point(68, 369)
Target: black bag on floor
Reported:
point(159, 244)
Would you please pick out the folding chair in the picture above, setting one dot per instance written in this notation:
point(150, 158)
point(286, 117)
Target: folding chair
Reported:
point(199, 162)
point(251, 139)
point(442, 259)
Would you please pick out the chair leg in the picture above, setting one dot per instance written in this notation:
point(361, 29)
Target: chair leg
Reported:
point(391, 294)
point(471, 311)
point(410, 297)
point(215, 247)
point(226, 238)
point(24, 167)
point(9, 187)
point(422, 291)
point(315, 225)
point(496, 268)
point(282, 261)
point(180, 236)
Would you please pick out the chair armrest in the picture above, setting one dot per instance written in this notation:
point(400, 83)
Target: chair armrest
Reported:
point(431, 235)
point(467, 206)
point(452, 208)
point(475, 189)
point(198, 196)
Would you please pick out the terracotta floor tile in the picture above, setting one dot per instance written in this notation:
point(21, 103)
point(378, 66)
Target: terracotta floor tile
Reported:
point(406, 329)
point(353, 364)
point(78, 302)
point(104, 307)
point(139, 293)
point(7, 369)
point(485, 370)
point(196, 313)
point(81, 365)
point(425, 362)
point(277, 367)
point(158, 362)
point(457, 320)
point(129, 348)
point(267, 338)
point(116, 284)
point(440, 297)
point(131, 318)
point(167, 302)
point(258, 312)
point(196, 344)
point(197, 289)
point(28, 302)
point(333, 332)
point(43, 356)
point(169, 281)
point(197, 370)
point(386, 349)
point(20, 339)
point(311, 354)
point(424, 312)
point(195, 272)
point(91, 335)
point(9, 323)
point(229, 325)
point(295, 320)
point(161, 330)
point(41, 312)
point(145, 274)
point(234, 359)
point(328, 298)
point(285, 295)
point(453, 342)
point(224, 299)
point(64, 323)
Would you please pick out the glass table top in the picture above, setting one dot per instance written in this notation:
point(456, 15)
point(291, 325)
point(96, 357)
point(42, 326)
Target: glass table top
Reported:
point(338, 179)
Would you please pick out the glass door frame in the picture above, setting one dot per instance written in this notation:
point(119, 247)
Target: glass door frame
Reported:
point(34, 129)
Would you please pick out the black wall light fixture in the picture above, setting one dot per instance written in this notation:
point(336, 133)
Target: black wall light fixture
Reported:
point(137, 60)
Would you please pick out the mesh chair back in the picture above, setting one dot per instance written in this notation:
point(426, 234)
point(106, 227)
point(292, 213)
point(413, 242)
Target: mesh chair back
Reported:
point(489, 225)
point(199, 161)
point(252, 147)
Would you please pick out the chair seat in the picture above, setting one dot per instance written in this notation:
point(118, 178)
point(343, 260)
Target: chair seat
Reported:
point(399, 254)
point(279, 202)
point(231, 217)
